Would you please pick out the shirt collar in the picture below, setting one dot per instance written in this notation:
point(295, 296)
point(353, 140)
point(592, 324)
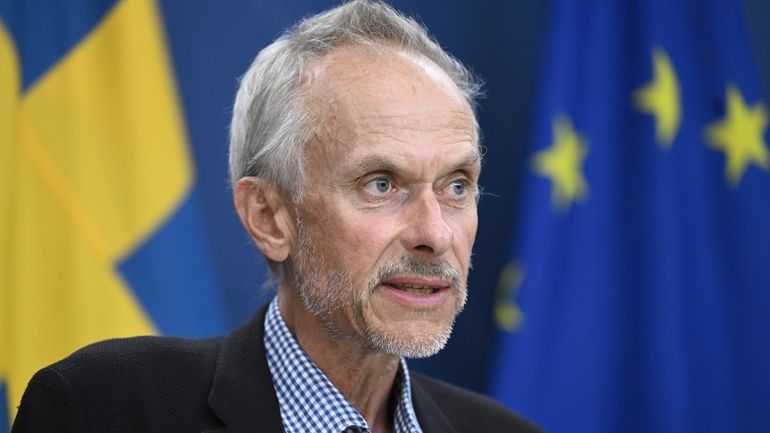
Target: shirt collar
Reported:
point(308, 400)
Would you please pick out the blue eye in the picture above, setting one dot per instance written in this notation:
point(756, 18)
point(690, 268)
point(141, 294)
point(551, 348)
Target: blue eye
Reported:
point(382, 185)
point(379, 186)
point(458, 186)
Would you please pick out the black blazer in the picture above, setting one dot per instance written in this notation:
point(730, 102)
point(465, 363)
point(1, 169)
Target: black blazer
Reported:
point(222, 385)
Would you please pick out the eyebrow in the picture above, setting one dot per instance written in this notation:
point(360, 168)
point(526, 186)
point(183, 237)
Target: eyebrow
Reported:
point(469, 160)
point(375, 163)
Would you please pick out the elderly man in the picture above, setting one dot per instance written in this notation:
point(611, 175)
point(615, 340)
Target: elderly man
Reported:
point(354, 160)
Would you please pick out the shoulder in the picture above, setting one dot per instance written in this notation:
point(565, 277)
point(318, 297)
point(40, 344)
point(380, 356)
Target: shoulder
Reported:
point(165, 354)
point(139, 362)
point(468, 411)
point(128, 379)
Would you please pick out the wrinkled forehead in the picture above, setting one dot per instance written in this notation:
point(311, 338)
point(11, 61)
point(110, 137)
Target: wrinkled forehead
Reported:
point(365, 62)
point(388, 105)
point(353, 83)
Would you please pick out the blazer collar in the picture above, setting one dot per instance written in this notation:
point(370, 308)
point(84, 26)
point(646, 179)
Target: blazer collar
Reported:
point(242, 394)
point(429, 413)
point(243, 397)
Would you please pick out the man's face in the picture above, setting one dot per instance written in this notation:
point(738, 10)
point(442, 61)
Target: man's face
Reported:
point(388, 218)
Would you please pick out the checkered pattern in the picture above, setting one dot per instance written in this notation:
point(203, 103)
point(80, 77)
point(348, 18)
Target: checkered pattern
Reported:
point(309, 402)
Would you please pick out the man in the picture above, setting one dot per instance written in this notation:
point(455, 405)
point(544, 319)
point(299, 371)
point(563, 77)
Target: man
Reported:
point(354, 160)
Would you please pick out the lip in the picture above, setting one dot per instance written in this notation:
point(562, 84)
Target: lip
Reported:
point(421, 302)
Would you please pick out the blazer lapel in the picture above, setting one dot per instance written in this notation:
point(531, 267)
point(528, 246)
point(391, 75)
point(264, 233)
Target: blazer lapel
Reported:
point(242, 394)
point(429, 413)
point(243, 397)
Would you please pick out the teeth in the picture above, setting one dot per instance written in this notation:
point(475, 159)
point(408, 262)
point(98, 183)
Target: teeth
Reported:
point(417, 290)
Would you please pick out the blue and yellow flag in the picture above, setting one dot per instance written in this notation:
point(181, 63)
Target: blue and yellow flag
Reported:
point(638, 294)
point(98, 225)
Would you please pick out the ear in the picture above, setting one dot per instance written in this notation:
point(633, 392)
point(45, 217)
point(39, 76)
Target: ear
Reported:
point(266, 216)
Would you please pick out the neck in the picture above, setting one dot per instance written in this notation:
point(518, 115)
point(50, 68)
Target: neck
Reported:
point(365, 377)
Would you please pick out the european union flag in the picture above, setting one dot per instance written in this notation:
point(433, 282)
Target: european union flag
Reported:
point(638, 295)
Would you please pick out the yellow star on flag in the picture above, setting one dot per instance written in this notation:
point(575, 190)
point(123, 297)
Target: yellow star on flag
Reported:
point(660, 97)
point(562, 164)
point(508, 315)
point(740, 135)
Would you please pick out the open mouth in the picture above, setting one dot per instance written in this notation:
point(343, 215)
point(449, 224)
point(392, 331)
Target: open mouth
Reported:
point(416, 290)
point(417, 293)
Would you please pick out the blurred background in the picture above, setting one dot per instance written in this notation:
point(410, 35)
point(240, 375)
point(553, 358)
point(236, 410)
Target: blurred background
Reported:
point(621, 274)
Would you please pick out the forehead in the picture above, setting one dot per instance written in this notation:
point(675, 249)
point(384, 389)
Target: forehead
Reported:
point(388, 99)
point(360, 64)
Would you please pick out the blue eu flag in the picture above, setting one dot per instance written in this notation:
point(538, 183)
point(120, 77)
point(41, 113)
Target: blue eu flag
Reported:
point(638, 294)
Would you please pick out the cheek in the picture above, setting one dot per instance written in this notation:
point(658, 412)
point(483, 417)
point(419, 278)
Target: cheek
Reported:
point(359, 242)
point(464, 226)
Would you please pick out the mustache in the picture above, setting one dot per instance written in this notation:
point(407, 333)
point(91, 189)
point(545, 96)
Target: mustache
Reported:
point(412, 266)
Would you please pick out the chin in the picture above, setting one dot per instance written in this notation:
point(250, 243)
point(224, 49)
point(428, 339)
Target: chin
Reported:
point(417, 341)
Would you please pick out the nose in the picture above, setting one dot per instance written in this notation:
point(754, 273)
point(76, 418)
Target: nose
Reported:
point(427, 232)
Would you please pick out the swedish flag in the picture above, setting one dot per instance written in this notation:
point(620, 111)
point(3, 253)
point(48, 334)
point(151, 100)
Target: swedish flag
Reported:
point(98, 223)
point(638, 295)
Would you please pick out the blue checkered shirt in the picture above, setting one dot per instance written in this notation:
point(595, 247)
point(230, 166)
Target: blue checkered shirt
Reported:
point(309, 402)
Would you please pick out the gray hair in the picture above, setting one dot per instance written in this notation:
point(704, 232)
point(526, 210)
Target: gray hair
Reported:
point(271, 123)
